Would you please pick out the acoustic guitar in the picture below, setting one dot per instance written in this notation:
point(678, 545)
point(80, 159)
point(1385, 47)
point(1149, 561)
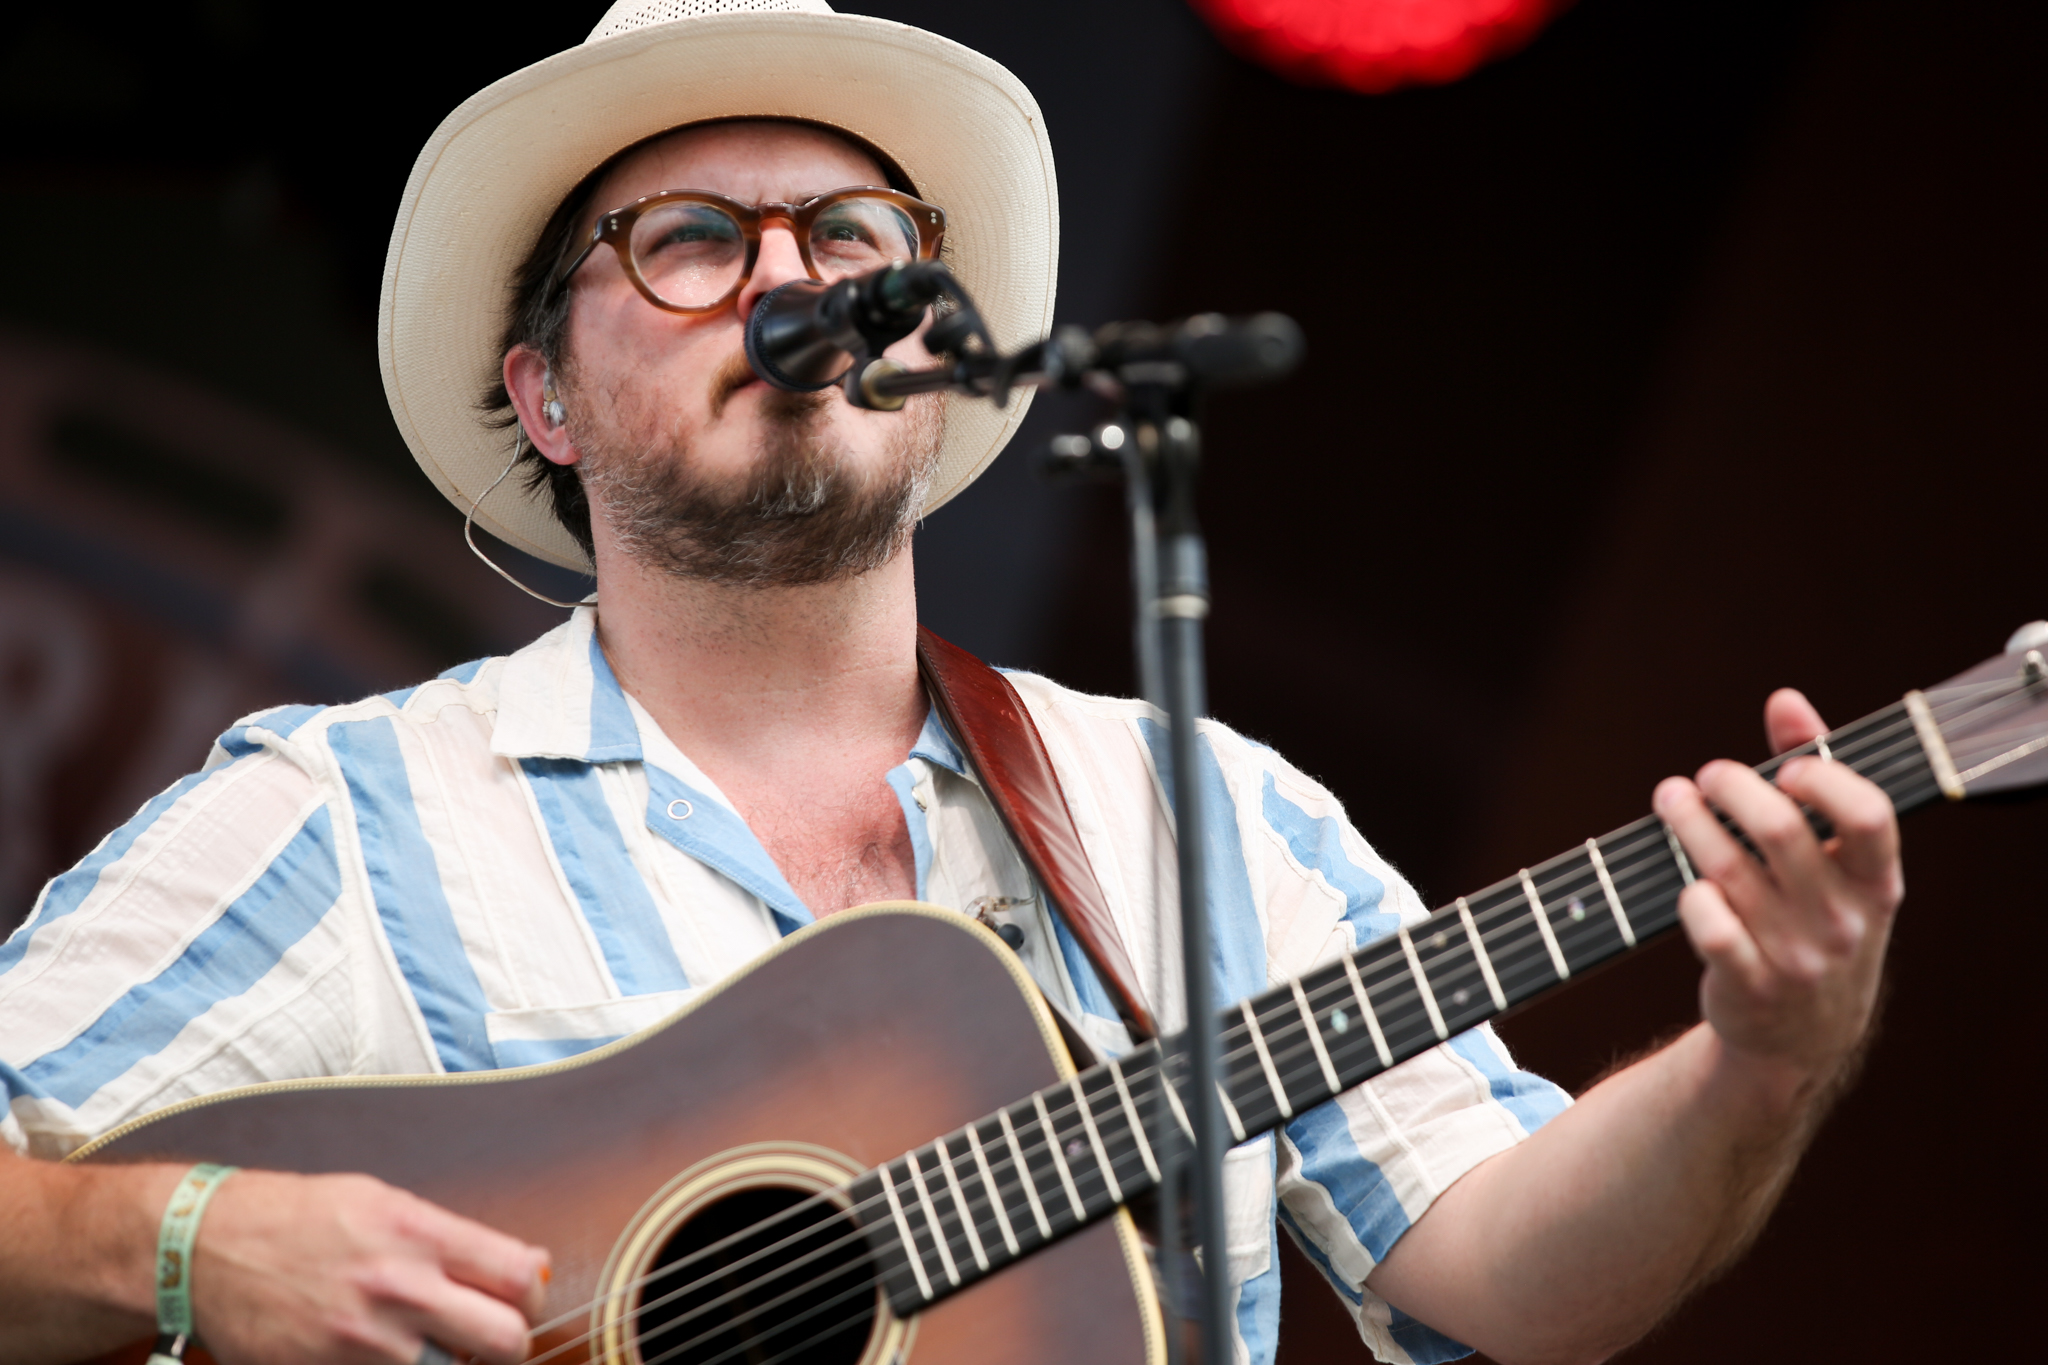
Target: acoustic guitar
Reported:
point(756, 1179)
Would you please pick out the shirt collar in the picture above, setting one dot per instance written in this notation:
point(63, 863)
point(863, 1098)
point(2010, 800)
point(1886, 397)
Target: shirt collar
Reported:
point(935, 745)
point(557, 698)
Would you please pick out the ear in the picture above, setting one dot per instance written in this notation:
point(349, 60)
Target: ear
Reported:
point(525, 377)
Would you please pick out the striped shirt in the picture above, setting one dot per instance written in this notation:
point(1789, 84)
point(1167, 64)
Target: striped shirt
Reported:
point(512, 864)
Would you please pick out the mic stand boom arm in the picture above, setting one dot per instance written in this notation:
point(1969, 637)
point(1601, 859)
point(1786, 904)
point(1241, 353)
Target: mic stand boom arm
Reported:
point(1157, 377)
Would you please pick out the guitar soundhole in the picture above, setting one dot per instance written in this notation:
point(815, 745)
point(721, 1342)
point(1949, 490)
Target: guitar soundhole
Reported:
point(766, 1276)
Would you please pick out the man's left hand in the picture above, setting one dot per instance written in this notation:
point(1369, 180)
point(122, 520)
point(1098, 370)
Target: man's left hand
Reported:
point(1794, 944)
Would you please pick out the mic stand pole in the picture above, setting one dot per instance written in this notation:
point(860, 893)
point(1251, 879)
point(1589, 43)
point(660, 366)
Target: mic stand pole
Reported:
point(1170, 579)
point(1158, 376)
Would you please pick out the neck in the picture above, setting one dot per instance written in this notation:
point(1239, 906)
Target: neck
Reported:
point(734, 675)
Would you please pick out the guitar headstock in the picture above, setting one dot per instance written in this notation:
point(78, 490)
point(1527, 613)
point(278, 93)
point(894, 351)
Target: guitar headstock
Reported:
point(1994, 718)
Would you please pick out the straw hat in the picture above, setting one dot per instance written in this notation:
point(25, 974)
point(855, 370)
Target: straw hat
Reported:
point(966, 132)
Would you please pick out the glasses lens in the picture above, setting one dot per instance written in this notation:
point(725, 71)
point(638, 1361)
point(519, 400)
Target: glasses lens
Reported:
point(689, 254)
point(853, 236)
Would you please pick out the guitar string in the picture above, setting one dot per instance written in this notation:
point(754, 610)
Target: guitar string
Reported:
point(754, 1342)
point(975, 1202)
point(1002, 1162)
point(1288, 1040)
point(1298, 1027)
point(1621, 857)
point(785, 1269)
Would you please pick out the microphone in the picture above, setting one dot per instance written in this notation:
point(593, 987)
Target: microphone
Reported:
point(803, 335)
point(1220, 352)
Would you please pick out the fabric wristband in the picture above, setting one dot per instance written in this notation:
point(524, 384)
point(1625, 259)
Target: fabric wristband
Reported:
point(174, 1256)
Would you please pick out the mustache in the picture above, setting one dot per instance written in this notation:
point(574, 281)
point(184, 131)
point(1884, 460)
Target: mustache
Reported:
point(732, 375)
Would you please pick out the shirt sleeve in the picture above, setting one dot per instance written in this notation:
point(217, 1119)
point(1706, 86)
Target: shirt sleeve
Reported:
point(1354, 1174)
point(193, 951)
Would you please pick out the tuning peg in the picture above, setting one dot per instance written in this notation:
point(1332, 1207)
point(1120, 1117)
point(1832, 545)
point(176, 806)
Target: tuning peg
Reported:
point(2032, 635)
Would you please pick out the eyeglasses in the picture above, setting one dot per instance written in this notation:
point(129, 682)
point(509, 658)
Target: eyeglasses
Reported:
point(692, 251)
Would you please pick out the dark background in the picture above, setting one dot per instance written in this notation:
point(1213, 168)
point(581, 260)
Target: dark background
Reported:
point(1694, 351)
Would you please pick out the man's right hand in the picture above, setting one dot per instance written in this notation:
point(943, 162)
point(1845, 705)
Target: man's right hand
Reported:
point(348, 1270)
point(287, 1269)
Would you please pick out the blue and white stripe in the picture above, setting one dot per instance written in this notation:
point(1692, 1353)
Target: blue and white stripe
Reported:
point(511, 864)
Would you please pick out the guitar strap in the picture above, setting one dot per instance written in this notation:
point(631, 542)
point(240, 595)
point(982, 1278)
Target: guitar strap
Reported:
point(1004, 748)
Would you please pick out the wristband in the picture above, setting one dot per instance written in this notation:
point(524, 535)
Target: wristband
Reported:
point(174, 1258)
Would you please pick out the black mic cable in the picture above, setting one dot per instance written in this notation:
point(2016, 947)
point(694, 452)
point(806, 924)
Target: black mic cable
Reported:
point(803, 335)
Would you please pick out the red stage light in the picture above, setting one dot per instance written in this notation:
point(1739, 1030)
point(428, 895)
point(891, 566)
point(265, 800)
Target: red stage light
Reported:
point(1375, 45)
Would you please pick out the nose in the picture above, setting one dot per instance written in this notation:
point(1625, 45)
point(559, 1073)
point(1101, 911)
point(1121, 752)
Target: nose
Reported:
point(778, 264)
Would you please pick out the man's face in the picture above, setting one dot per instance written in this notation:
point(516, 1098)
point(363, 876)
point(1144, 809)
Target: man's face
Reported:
point(691, 463)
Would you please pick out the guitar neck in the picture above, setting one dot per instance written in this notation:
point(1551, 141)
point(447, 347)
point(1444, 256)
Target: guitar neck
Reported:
point(971, 1202)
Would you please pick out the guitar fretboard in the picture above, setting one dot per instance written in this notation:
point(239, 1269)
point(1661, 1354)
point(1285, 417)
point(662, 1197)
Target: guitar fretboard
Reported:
point(947, 1214)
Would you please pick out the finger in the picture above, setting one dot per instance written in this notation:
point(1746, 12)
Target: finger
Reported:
point(483, 1258)
point(1713, 852)
point(1866, 845)
point(463, 1321)
point(1719, 935)
point(1777, 827)
point(1790, 720)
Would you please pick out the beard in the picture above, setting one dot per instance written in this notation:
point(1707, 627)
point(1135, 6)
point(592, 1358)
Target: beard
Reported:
point(803, 514)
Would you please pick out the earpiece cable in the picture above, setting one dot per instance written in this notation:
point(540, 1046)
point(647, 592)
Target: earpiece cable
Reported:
point(469, 536)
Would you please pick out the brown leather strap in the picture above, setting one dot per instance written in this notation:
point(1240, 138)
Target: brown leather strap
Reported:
point(1003, 745)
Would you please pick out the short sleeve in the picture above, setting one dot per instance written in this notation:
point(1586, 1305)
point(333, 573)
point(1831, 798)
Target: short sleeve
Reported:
point(193, 951)
point(1353, 1175)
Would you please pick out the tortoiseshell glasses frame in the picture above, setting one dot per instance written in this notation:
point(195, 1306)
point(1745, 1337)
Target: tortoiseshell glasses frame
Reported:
point(693, 251)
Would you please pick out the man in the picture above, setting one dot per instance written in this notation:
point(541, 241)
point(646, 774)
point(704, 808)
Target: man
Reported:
point(534, 854)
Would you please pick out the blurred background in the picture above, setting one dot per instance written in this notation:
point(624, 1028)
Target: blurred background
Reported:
point(1693, 349)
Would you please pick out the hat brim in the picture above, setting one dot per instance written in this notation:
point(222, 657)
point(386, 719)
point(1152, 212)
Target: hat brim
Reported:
point(965, 131)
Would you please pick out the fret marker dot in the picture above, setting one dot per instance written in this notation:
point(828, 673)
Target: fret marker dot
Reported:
point(1439, 939)
point(1460, 996)
point(1076, 1147)
point(1577, 909)
point(1339, 1020)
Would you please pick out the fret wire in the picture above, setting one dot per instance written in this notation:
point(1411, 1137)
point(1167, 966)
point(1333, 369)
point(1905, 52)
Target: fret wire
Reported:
point(1024, 1176)
point(1292, 1044)
point(1315, 1038)
point(1059, 1158)
point(1238, 1075)
point(1237, 1127)
point(1325, 1000)
point(916, 1257)
point(1172, 1093)
point(1448, 963)
point(931, 1218)
point(1628, 932)
point(1372, 1020)
point(1542, 918)
point(1500, 1002)
point(1123, 1094)
point(1116, 1194)
point(1436, 1017)
point(960, 1203)
point(995, 1193)
point(1678, 853)
point(1251, 1022)
point(1635, 874)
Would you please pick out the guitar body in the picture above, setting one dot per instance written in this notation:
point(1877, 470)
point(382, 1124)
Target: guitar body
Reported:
point(857, 1039)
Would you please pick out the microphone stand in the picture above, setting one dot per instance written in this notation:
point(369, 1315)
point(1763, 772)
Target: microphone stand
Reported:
point(1156, 377)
